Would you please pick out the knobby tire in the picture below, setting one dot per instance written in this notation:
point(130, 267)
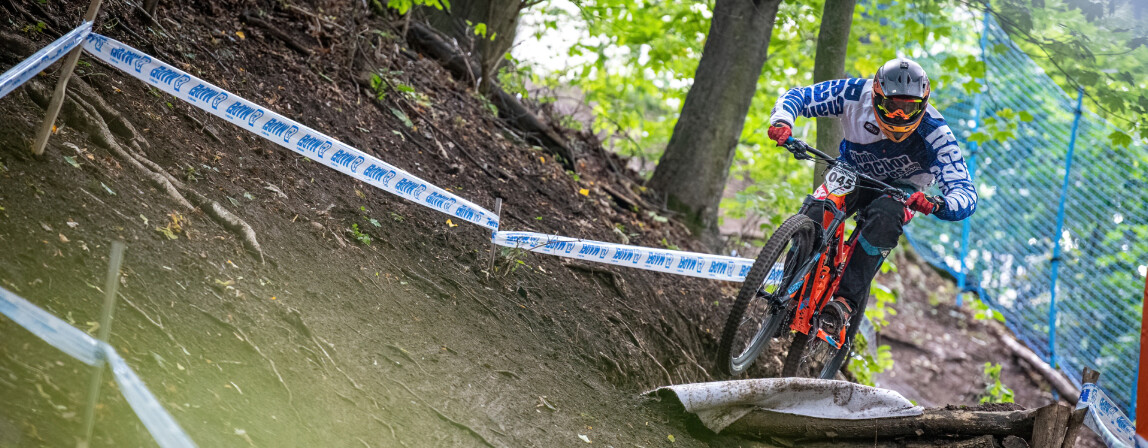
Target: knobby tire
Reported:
point(802, 231)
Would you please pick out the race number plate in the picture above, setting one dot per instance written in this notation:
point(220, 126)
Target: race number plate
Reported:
point(840, 181)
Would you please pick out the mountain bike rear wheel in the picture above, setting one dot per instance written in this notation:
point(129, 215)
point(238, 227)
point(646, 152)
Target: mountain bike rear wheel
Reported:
point(812, 357)
point(761, 305)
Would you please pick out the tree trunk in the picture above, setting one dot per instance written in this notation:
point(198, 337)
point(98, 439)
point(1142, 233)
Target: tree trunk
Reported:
point(693, 170)
point(829, 63)
point(933, 422)
point(500, 18)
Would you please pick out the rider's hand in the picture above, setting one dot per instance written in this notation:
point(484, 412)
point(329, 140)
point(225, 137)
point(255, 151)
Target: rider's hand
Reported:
point(925, 204)
point(780, 132)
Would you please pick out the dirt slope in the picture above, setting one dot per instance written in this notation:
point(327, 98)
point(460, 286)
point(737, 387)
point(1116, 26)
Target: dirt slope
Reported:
point(330, 342)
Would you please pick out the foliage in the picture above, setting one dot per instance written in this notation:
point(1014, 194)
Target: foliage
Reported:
point(879, 311)
point(995, 391)
point(359, 235)
point(865, 366)
point(981, 311)
point(1080, 45)
point(402, 6)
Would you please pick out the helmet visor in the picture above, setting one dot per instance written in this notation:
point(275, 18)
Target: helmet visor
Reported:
point(899, 111)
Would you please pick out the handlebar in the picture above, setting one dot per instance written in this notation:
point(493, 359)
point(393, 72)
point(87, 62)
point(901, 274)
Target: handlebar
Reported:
point(802, 151)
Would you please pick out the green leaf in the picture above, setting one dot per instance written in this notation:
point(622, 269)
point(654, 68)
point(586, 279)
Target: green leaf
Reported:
point(1025, 116)
point(1119, 138)
point(402, 117)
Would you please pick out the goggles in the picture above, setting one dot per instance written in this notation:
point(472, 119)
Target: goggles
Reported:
point(899, 111)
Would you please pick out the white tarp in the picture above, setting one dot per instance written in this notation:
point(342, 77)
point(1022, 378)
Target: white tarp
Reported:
point(719, 404)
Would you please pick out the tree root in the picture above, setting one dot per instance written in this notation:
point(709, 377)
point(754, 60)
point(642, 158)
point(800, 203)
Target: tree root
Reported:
point(245, 338)
point(444, 417)
point(87, 111)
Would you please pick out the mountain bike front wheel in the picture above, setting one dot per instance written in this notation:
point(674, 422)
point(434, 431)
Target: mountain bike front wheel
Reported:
point(761, 305)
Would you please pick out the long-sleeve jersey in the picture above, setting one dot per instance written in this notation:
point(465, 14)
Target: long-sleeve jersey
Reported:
point(929, 155)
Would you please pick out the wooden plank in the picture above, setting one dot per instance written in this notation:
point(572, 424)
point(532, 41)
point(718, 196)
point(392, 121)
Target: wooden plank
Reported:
point(1050, 426)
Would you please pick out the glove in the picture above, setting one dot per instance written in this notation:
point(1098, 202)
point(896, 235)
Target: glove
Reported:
point(780, 132)
point(925, 204)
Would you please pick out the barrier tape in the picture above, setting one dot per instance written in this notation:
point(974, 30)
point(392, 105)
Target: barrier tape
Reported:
point(692, 264)
point(1105, 418)
point(88, 350)
point(284, 131)
point(22, 72)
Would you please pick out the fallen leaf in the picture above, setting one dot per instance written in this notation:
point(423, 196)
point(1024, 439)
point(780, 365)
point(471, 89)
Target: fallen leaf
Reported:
point(72, 161)
point(584, 438)
point(671, 437)
point(450, 223)
point(584, 192)
point(272, 297)
point(543, 159)
point(72, 224)
point(63, 239)
point(241, 35)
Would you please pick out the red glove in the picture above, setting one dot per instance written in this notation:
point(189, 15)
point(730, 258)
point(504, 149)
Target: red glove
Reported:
point(925, 204)
point(780, 132)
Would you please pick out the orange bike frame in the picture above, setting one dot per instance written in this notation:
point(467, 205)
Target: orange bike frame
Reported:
point(826, 276)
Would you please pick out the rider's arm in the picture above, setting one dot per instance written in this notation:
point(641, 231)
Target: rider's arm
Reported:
point(824, 99)
point(950, 171)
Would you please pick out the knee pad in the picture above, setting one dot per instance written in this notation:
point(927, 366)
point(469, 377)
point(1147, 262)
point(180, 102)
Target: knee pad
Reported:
point(882, 225)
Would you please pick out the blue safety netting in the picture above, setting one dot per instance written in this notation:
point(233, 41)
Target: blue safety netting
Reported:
point(1012, 237)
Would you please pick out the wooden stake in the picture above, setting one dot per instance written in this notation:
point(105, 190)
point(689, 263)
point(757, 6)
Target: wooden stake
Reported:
point(1050, 426)
point(1076, 420)
point(57, 100)
point(494, 247)
point(110, 289)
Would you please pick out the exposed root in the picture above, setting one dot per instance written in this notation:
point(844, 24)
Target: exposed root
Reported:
point(407, 354)
point(444, 417)
point(238, 331)
point(86, 110)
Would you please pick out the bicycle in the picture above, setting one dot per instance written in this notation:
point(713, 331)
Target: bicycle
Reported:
point(795, 276)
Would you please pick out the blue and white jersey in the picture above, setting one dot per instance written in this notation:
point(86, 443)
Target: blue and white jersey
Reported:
point(929, 155)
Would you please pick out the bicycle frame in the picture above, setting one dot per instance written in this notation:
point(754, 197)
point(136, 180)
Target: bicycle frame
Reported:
point(821, 278)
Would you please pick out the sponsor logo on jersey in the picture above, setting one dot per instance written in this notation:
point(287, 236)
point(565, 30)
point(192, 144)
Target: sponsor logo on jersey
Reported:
point(872, 128)
point(899, 167)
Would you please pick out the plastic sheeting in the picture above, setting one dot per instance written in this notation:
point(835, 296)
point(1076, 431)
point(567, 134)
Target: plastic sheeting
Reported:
point(720, 404)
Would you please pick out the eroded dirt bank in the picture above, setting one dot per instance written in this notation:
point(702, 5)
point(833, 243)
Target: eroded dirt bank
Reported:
point(328, 341)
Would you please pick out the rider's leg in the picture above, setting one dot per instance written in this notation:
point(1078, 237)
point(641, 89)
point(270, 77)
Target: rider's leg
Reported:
point(881, 226)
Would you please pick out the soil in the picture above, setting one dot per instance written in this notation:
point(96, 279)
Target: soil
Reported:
point(410, 340)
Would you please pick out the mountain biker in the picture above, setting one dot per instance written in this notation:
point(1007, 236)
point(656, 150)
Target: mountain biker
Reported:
point(893, 135)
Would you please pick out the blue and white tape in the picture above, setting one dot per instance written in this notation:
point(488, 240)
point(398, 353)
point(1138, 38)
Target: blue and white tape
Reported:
point(1106, 419)
point(89, 350)
point(284, 131)
point(22, 72)
point(715, 267)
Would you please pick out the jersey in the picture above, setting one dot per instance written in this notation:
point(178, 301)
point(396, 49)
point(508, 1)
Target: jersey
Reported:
point(928, 156)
